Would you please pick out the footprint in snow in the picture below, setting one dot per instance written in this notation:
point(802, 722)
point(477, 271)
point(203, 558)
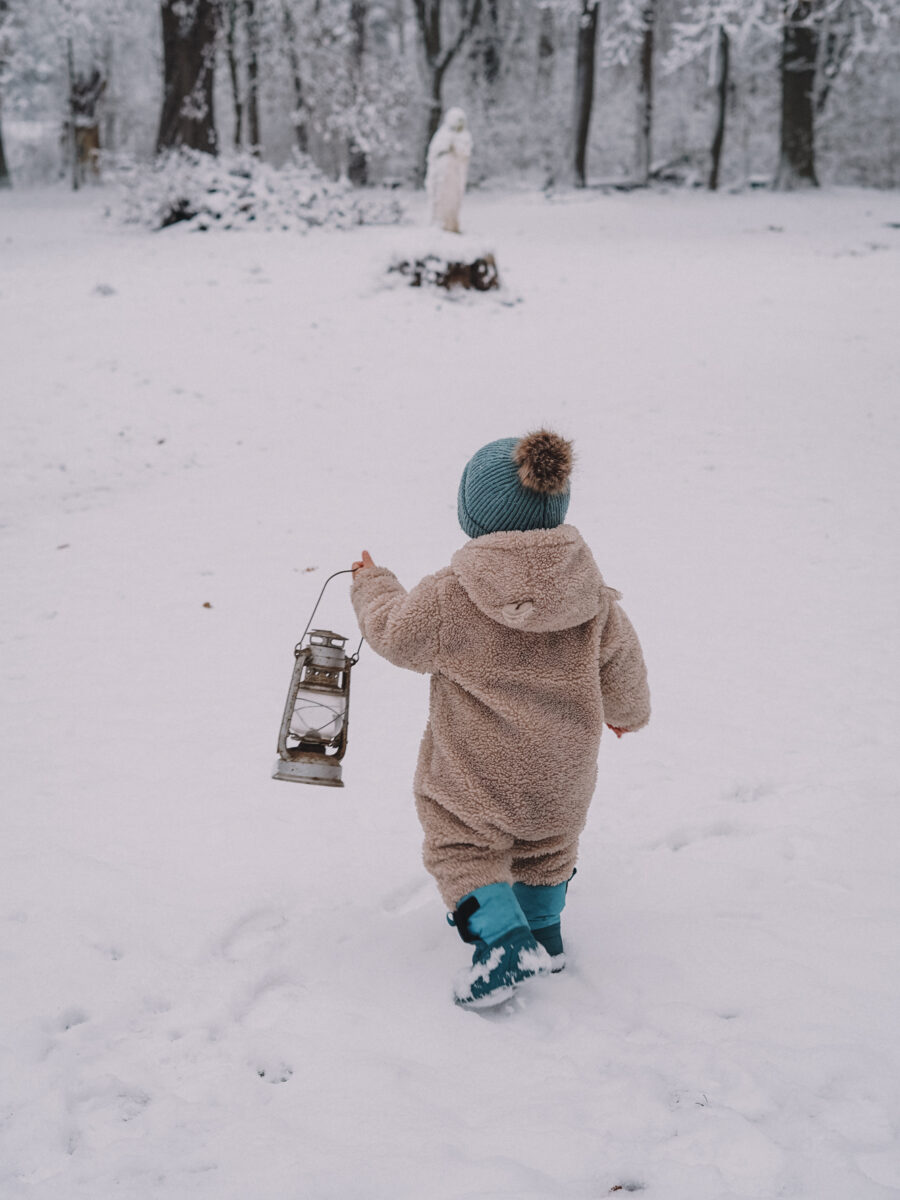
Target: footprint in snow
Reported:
point(70, 1018)
point(749, 793)
point(416, 893)
point(108, 1099)
point(680, 839)
point(256, 932)
point(157, 1005)
point(108, 950)
point(274, 1071)
point(269, 1003)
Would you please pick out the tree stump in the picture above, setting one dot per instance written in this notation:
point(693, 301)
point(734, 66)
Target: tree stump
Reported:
point(479, 275)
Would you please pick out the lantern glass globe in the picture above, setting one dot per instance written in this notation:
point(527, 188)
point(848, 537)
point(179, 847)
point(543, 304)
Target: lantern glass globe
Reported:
point(318, 717)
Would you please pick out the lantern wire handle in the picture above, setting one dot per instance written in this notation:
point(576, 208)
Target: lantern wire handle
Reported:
point(353, 658)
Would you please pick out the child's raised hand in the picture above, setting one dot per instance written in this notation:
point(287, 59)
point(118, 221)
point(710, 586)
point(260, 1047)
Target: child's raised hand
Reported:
point(366, 561)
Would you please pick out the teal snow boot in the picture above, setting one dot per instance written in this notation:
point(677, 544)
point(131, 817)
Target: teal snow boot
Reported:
point(543, 907)
point(506, 952)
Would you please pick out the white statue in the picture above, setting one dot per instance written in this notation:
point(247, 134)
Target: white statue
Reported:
point(448, 165)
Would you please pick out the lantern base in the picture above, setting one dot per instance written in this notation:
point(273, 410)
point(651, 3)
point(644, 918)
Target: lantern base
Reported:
point(309, 768)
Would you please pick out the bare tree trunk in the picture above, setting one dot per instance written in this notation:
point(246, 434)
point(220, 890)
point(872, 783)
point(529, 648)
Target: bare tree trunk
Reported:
point(796, 165)
point(428, 18)
point(85, 93)
point(5, 177)
point(490, 46)
point(231, 55)
point(252, 23)
point(722, 66)
point(546, 50)
point(399, 22)
point(301, 131)
point(428, 15)
point(357, 159)
point(71, 139)
point(585, 60)
point(189, 52)
point(835, 37)
point(111, 96)
point(546, 69)
point(643, 145)
point(435, 113)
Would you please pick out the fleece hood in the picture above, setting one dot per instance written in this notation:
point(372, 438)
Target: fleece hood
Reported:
point(537, 581)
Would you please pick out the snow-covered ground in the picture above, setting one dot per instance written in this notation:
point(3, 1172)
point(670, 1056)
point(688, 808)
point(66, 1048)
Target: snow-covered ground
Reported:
point(213, 985)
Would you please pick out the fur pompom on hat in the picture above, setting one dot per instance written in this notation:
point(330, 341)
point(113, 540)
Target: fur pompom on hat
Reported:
point(516, 483)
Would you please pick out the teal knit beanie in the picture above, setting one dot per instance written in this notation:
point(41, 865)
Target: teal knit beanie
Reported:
point(516, 483)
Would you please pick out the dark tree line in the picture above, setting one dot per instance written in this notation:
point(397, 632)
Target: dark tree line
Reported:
point(815, 38)
point(190, 29)
point(334, 63)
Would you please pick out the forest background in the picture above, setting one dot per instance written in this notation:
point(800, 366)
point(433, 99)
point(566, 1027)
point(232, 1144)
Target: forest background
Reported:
point(704, 92)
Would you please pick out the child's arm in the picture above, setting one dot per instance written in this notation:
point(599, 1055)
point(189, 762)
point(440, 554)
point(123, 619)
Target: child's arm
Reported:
point(623, 675)
point(401, 626)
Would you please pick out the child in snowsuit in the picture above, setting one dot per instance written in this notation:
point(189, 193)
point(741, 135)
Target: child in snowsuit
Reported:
point(529, 654)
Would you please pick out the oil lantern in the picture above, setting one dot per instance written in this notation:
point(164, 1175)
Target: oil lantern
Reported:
point(313, 735)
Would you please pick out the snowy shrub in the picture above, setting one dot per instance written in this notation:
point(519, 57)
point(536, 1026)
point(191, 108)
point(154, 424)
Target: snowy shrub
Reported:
point(479, 275)
point(433, 258)
point(240, 192)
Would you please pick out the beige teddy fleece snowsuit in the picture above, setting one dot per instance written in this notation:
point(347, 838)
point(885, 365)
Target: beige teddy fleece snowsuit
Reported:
point(529, 654)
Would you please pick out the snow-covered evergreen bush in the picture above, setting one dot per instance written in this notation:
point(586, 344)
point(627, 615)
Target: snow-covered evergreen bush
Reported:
point(240, 192)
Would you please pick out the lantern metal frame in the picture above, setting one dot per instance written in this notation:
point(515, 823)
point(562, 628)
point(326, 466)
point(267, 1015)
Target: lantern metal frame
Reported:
point(317, 662)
